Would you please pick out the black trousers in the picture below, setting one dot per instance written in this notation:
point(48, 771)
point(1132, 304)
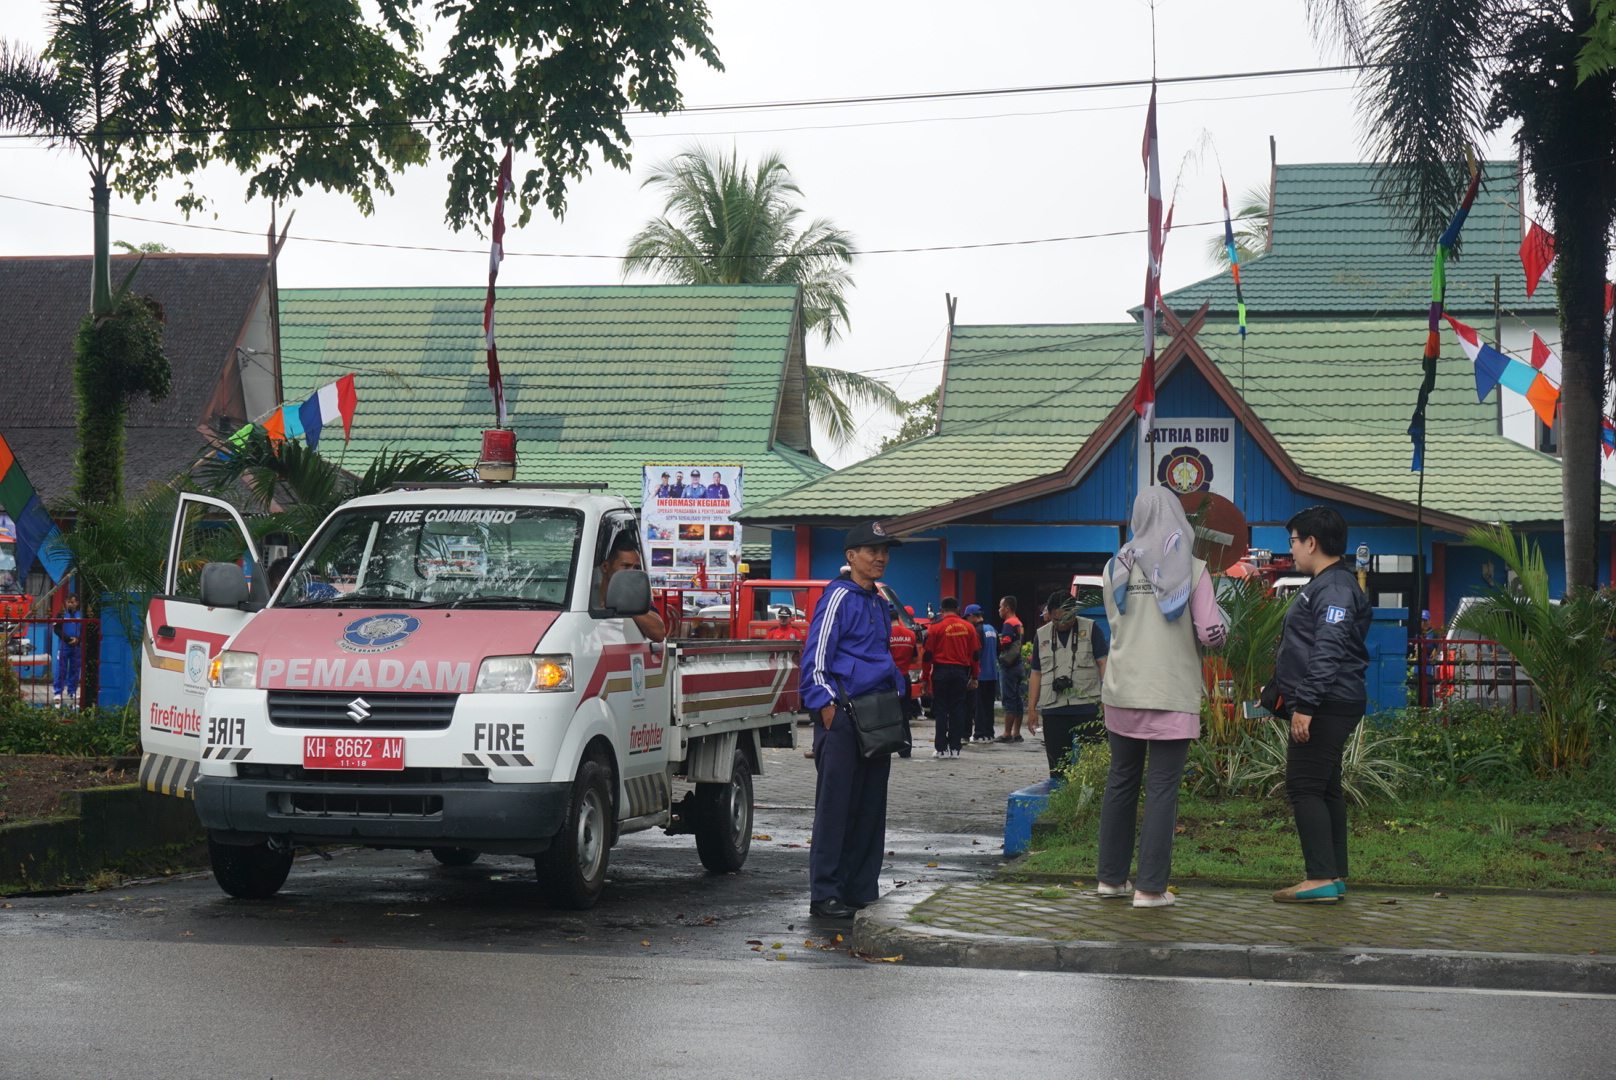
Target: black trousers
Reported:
point(987, 694)
point(850, 815)
point(948, 690)
point(1313, 782)
point(1065, 733)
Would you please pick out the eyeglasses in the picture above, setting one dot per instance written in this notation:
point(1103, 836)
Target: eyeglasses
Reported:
point(1297, 539)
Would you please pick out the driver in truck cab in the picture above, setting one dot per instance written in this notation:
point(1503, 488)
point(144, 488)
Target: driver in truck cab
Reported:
point(625, 555)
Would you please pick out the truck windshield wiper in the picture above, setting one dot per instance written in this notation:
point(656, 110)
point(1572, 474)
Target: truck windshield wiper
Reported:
point(496, 601)
point(358, 600)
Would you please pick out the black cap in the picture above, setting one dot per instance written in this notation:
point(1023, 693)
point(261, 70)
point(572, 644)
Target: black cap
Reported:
point(870, 534)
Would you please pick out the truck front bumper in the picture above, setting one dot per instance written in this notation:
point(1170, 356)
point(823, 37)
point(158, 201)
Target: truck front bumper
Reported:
point(510, 819)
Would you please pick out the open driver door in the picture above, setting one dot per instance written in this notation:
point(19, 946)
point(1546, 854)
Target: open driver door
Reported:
point(183, 633)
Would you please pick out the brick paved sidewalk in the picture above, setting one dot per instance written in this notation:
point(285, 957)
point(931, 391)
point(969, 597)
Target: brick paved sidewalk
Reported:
point(1500, 924)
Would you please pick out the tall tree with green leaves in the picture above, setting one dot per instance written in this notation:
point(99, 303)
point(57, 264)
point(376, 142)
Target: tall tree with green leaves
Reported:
point(336, 94)
point(1443, 73)
point(726, 222)
point(917, 419)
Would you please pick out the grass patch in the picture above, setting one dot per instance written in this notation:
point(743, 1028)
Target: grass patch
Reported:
point(1435, 840)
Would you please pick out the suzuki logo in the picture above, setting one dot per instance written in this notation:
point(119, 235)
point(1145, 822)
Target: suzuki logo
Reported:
point(359, 710)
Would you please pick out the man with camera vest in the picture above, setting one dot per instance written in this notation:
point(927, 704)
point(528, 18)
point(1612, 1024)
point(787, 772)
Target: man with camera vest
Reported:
point(1068, 664)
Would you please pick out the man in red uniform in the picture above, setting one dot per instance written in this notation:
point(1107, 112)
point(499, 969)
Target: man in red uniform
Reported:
point(955, 650)
point(783, 630)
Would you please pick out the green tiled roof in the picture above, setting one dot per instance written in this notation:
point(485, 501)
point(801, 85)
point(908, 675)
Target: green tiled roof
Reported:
point(914, 476)
point(1029, 382)
point(1337, 395)
point(598, 379)
point(1339, 250)
point(1019, 402)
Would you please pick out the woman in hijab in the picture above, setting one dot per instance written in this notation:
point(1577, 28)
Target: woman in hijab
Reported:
point(1160, 604)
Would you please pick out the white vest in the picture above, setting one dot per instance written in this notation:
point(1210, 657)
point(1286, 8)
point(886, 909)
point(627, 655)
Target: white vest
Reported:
point(1153, 663)
point(1076, 661)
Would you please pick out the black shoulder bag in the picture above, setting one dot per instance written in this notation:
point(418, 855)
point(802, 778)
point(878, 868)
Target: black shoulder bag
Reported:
point(878, 719)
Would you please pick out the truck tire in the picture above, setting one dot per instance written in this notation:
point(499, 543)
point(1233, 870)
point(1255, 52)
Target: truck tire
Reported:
point(723, 824)
point(573, 870)
point(455, 856)
point(249, 873)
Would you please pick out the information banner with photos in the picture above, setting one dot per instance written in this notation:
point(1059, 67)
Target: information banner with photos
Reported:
point(687, 514)
point(1192, 454)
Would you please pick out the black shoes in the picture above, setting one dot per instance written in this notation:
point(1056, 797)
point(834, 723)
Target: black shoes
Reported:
point(830, 909)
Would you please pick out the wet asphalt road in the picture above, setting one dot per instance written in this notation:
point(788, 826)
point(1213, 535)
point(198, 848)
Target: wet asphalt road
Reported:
point(659, 900)
point(385, 964)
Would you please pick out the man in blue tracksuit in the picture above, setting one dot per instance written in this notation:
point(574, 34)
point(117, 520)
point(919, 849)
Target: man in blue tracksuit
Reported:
point(847, 654)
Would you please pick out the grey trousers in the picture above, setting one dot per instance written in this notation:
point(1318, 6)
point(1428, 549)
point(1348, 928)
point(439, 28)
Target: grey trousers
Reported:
point(1119, 812)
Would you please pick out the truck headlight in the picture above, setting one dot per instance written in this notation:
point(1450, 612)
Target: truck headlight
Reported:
point(236, 670)
point(524, 674)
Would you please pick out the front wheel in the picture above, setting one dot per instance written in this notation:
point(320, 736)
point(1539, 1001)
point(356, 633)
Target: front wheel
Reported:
point(249, 873)
point(723, 824)
point(573, 871)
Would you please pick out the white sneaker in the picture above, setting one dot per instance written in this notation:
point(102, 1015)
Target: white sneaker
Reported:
point(1125, 889)
point(953, 753)
point(1164, 900)
point(936, 754)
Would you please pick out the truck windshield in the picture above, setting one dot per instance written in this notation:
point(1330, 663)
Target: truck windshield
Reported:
point(439, 556)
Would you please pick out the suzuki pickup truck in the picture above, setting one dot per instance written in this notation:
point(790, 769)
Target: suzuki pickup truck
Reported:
point(440, 670)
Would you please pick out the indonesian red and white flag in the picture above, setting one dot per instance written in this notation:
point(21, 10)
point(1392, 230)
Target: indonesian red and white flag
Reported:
point(1144, 395)
point(496, 383)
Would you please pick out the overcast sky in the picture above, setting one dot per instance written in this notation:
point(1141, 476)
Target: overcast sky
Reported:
point(920, 174)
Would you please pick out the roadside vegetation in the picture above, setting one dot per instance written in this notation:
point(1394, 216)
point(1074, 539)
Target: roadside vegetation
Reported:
point(1462, 795)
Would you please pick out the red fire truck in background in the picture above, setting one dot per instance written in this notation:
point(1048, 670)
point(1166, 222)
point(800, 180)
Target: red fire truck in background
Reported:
point(754, 606)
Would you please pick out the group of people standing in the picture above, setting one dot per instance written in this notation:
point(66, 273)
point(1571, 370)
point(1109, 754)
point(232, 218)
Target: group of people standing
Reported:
point(1138, 688)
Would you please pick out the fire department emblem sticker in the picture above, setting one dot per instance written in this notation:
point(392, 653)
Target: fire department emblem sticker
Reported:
point(378, 633)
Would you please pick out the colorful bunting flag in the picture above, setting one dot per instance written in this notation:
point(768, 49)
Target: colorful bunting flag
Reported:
point(1489, 362)
point(1433, 339)
point(333, 401)
point(1537, 255)
point(1234, 258)
point(1144, 396)
point(496, 254)
point(35, 530)
point(1607, 438)
point(275, 428)
point(1545, 361)
point(1532, 381)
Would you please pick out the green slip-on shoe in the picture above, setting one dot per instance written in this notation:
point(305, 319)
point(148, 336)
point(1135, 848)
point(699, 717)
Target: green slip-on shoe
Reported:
point(1324, 894)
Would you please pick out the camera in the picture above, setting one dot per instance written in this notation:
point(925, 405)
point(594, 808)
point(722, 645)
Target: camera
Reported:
point(1062, 684)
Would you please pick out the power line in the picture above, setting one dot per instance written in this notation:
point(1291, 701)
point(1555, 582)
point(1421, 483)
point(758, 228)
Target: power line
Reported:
point(749, 106)
point(676, 258)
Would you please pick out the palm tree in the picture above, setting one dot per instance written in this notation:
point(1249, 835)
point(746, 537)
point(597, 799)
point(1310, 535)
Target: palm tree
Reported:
point(1564, 646)
point(80, 94)
point(1250, 229)
point(291, 489)
point(1440, 75)
point(726, 223)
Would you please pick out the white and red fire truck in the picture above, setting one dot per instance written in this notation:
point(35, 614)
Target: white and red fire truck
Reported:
point(439, 670)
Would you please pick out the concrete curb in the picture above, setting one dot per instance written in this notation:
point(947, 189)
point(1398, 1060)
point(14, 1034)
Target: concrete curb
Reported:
point(883, 929)
point(99, 826)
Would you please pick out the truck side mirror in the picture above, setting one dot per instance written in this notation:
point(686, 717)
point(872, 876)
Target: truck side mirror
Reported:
point(629, 593)
point(224, 585)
